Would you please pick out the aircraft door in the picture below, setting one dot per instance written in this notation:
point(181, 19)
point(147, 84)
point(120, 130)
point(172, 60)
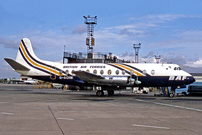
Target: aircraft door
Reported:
point(52, 75)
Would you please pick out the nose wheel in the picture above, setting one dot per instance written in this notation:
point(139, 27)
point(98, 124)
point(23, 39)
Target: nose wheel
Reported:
point(172, 94)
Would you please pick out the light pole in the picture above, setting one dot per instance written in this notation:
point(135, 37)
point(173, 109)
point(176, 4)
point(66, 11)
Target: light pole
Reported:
point(91, 22)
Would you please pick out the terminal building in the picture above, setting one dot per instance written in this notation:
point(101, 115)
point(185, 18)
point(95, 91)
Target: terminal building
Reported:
point(92, 57)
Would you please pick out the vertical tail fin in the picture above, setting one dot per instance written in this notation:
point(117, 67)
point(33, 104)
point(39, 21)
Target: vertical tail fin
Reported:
point(25, 52)
point(26, 60)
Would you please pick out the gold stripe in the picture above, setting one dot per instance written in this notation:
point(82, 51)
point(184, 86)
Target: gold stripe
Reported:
point(129, 69)
point(34, 63)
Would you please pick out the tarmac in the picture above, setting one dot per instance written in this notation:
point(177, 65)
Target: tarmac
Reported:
point(25, 110)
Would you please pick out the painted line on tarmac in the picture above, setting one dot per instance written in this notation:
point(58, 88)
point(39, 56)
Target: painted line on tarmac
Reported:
point(7, 113)
point(176, 106)
point(65, 119)
point(141, 100)
point(4, 102)
point(150, 126)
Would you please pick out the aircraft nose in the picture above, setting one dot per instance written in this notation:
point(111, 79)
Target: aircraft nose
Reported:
point(191, 79)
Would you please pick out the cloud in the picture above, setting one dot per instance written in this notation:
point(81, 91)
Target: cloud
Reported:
point(6, 71)
point(190, 35)
point(135, 32)
point(126, 31)
point(80, 29)
point(9, 43)
point(176, 59)
point(127, 54)
point(195, 64)
point(149, 55)
point(65, 28)
point(119, 40)
point(162, 18)
point(191, 69)
point(149, 58)
point(198, 62)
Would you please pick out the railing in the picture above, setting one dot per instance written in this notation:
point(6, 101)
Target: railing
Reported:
point(99, 57)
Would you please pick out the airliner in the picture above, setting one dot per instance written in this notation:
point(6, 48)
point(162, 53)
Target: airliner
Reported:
point(101, 76)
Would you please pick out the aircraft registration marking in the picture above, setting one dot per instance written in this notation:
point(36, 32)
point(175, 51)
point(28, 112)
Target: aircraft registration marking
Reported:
point(66, 77)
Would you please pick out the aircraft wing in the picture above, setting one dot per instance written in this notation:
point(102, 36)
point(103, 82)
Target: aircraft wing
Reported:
point(87, 77)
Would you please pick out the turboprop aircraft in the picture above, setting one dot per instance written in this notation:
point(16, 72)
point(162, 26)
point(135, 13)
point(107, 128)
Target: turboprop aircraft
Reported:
point(102, 76)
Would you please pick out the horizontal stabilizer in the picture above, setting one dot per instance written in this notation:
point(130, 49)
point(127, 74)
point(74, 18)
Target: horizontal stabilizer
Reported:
point(15, 65)
point(87, 77)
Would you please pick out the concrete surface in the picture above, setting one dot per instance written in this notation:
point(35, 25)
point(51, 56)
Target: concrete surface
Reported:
point(25, 110)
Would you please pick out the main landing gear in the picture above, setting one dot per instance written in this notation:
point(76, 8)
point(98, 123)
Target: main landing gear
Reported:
point(100, 93)
point(110, 92)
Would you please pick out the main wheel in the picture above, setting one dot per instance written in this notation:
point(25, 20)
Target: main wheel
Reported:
point(110, 92)
point(100, 93)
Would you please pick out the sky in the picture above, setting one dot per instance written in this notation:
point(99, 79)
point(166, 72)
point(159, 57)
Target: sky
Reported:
point(170, 28)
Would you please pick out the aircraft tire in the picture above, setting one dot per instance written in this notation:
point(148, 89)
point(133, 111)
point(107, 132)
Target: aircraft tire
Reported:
point(110, 92)
point(100, 93)
point(184, 94)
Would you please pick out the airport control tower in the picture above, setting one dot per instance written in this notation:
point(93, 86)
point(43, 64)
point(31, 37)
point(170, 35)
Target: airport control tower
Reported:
point(91, 22)
point(90, 56)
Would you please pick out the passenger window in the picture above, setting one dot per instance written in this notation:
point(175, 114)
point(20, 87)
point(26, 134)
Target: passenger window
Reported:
point(109, 72)
point(123, 72)
point(153, 72)
point(117, 72)
point(101, 72)
point(95, 71)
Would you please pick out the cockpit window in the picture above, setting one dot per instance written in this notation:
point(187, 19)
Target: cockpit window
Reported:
point(177, 68)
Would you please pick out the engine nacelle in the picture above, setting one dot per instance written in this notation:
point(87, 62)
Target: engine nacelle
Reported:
point(117, 80)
